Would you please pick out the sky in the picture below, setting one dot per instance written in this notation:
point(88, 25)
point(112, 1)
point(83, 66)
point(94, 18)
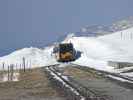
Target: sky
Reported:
point(37, 23)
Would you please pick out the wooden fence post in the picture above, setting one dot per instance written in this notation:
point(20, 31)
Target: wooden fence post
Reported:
point(23, 64)
point(12, 71)
point(8, 72)
point(20, 67)
point(3, 66)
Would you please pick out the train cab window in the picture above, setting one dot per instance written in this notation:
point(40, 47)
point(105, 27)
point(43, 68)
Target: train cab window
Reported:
point(65, 47)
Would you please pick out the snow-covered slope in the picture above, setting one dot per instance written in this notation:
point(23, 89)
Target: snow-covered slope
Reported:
point(122, 43)
point(95, 51)
point(34, 57)
point(94, 31)
point(99, 30)
point(122, 24)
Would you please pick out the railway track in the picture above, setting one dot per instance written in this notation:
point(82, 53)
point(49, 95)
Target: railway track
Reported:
point(81, 92)
point(107, 74)
point(64, 82)
point(82, 89)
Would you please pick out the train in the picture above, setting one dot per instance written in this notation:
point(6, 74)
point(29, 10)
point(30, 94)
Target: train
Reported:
point(64, 52)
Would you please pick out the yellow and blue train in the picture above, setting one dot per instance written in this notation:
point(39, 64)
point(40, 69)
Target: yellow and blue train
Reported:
point(64, 52)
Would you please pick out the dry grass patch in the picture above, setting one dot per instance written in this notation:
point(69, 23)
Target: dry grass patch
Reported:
point(78, 73)
point(32, 83)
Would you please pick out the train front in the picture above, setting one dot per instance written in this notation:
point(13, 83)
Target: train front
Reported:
point(65, 52)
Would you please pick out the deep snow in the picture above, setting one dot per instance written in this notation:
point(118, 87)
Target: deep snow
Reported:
point(95, 51)
point(34, 57)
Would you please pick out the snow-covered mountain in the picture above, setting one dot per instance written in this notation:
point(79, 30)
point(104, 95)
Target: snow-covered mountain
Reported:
point(122, 24)
point(95, 51)
point(98, 30)
point(94, 31)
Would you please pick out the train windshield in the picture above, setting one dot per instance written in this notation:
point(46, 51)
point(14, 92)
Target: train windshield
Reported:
point(66, 47)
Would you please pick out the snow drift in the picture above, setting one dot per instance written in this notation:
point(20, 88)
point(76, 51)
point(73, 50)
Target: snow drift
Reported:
point(33, 56)
point(95, 51)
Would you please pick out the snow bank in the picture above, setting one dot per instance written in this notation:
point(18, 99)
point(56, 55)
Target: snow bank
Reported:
point(122, 43)
point(34, 57)
point(95, 51)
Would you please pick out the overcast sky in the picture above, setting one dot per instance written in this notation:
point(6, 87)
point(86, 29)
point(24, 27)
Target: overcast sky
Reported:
point(25, 23)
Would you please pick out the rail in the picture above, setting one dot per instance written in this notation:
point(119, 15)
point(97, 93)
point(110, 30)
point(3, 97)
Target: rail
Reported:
point(81, 90)
point(127, 80)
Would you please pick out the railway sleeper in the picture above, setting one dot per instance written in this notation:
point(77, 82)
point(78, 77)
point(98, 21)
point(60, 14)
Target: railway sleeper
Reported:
point(88, 94)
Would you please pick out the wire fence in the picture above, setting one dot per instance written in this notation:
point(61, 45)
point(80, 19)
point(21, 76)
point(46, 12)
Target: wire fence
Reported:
point(10, 72)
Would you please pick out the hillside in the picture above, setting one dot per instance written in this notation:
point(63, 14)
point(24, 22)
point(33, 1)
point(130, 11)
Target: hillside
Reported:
point(99, 30)
point(34, 57)
point(95, 51)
